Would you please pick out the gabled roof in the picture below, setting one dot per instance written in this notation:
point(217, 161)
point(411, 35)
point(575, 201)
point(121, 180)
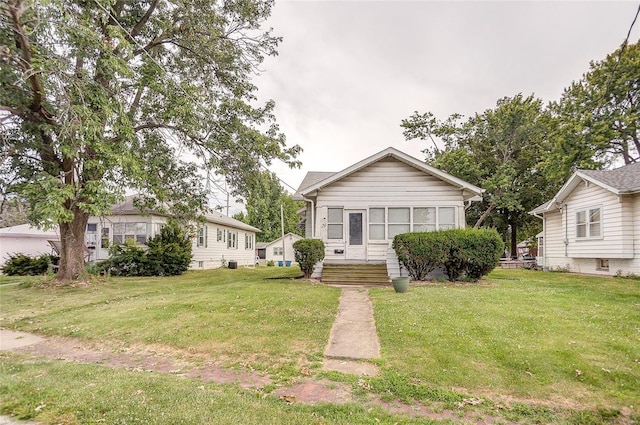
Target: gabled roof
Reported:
point(27, 230)
point(293, 236)
point(127, 207)
point(620, 181)
point(315, 181)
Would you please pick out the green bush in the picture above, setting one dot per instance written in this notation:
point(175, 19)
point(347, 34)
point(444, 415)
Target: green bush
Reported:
point(307, 253)
point(168, 254)
point(461, 253)
point(421, 252)
point(24, 265)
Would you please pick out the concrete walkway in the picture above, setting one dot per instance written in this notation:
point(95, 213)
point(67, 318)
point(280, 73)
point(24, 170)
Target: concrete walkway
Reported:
point(353, 338)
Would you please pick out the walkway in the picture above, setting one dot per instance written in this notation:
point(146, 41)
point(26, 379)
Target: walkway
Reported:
point(353, 338)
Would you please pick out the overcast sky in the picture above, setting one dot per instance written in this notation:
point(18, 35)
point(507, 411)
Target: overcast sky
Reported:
point(348, 72)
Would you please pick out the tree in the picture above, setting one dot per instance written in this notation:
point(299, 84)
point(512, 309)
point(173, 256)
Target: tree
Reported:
point(98, 96)
point(599, 115)
point(501, 150)
point(265, 195)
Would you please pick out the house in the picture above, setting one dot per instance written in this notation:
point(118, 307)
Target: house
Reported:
point(592, 225)
point(25, 239)
point(217, 241)
point(356, 212)
point(275, 251)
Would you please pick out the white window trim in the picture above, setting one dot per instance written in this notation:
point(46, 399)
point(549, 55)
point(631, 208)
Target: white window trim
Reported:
point(587, 224)
point(411, 218)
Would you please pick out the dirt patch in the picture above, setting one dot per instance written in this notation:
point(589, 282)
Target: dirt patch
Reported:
point(314, 392)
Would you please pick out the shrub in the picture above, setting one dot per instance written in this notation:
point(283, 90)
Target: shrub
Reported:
point(421, 252)
point(168, 254)
point(24, 265)
point(307, 253)
point(468, 253)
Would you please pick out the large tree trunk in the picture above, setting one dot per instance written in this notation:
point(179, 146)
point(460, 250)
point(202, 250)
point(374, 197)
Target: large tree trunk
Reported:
point(73, 247)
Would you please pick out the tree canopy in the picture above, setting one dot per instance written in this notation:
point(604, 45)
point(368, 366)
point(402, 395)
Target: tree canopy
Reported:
point(500, 150)
point(100, 96)
point(263, 200)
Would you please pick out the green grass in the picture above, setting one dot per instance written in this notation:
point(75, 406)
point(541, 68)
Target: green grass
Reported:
point(244, 315)
point(534, 336)
point(67, 393)
point(516, 343)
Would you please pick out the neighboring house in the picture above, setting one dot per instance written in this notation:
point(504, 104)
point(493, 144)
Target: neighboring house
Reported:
point(592, 225)
point(358, 211)
point(217, 241)
point(25, 239)
point(261, 250)
point(274, 249)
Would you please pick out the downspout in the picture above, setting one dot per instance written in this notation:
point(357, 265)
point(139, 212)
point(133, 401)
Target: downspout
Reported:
point(566, 231)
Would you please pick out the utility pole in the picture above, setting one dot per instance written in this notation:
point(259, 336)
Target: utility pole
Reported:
point(282, 231)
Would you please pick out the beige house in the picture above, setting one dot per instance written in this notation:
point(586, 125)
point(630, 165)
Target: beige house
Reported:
point(592, 225)
point(25, 239)
point(218, 240)
point(357, 211)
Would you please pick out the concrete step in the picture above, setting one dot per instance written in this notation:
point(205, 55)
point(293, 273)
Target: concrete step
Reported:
point(355, 274)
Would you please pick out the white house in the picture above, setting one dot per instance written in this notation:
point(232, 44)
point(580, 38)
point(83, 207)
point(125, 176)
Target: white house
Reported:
point(217, 241)
point(592, 225)
point(25, 239)
point(274, 249)
point(357, 211)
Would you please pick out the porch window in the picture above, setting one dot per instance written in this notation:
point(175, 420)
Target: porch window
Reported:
point(135, 231)
point(399, 221)
point(589, 223)
point(424, 219)
point(104, 238)
point(335, 223)
point(377, 224)
point(446, 218)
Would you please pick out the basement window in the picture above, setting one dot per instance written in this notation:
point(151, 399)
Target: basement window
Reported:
point(602, 264)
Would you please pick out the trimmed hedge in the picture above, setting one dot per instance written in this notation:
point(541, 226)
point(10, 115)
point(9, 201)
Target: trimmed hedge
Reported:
point(462, 253)
point(307, 253)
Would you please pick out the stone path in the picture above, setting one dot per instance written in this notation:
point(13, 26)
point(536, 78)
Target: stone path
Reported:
point(353, 338)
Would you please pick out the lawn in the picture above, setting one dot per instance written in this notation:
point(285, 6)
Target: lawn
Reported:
point(534, 347)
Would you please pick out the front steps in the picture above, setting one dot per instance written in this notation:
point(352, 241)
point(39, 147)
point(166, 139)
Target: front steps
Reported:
point(355, 274)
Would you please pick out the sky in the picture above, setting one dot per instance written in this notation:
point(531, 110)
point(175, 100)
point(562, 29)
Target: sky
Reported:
point(348, 72)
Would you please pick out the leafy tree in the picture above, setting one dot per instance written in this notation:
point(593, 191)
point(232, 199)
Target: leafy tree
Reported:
point(98, 96)
point(599, 115)
point(501, 150)
point(265, 195)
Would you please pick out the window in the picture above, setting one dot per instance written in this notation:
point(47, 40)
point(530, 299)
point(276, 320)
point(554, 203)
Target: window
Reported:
point(277, 250)
point(589, 223)
point(219, 234)
point(232, 239)
point(602, 264)
point(399, 219)
point(92, 227)
point(334, 223)
point(104, 239)
point(377, 224)
point(202, 236)
point(424, 219)
point(134, 231)
point(248, 241)
point(540, 246)
point(446, 218)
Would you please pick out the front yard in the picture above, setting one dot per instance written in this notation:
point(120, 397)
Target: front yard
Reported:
point(523, 347)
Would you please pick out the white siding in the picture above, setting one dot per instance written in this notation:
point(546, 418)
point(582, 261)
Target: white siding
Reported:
point(215, 253)
point(620, 242)
point(386, 183)
point(616, 240)
point(289, 240)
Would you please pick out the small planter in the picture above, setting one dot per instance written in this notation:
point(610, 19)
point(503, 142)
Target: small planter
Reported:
point(401, 284)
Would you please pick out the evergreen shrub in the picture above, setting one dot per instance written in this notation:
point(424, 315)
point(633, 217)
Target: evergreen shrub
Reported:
point(307, 253)
point(24, 265)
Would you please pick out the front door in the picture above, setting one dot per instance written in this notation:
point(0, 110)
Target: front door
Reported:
point(356, 235)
